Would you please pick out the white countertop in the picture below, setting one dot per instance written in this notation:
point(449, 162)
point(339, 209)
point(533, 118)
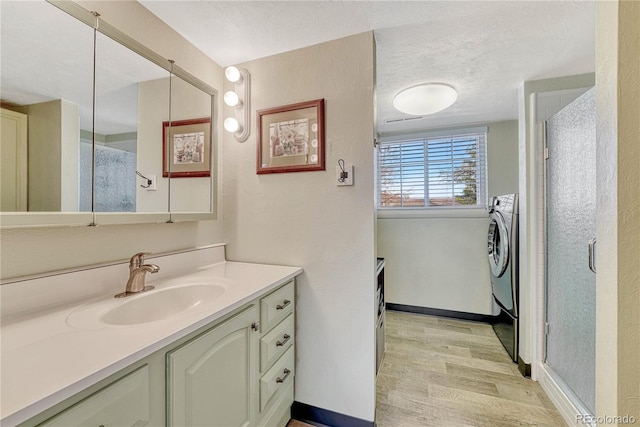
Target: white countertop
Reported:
point(46, 358)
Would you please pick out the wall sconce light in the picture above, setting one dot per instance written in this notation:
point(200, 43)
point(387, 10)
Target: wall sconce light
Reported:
point(242, 80)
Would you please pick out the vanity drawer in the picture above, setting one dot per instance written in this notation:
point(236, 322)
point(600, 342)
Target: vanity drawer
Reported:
point(277, 378)
point(279, 413)
point(122, 403)
point(276, 306)
point(276, 342)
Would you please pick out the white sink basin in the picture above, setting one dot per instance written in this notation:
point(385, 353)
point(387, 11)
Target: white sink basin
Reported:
point(150, 306)
point(161, 304)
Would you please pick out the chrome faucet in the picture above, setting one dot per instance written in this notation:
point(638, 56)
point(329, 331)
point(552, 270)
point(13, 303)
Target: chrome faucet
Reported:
point(137, 272)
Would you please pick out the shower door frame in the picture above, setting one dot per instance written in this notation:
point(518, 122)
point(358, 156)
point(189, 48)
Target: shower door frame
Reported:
point(543, 271)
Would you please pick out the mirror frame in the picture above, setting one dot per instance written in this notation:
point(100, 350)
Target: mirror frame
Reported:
point(52, 219)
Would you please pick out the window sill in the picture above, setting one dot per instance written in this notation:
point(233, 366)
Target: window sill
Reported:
point(451, 213)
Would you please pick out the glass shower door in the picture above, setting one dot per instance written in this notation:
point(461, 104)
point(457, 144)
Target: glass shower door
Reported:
point(570, 226)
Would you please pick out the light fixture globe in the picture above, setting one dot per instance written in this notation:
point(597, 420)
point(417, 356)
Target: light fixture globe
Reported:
point(423, 99)
point(231, 98)
point(240, 98)
point(232, 125)
point(233, 74)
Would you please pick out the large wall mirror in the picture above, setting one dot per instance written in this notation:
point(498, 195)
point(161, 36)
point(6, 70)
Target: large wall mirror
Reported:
point(76, 155)
point(125, 134)
point(46, 92)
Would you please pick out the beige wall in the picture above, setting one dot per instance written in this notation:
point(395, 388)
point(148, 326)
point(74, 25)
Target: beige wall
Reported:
point(618, 221)
point(36, 250)
point(304, 219)
point(70, 157)
point(13, 166)
point(54, 135)
point(45, 149)
point(629, 209)
point(153, 109)
point(187, 102)
point(502, 158)
point(190, 194)
point(137, 22)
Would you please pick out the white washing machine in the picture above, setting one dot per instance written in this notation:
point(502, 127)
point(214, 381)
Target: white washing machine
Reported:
point(503, 266)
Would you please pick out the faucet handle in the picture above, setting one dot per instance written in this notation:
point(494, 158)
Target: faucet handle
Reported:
point(138, 259)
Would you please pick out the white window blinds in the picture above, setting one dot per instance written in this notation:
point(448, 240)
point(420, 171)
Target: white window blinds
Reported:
point(433, 171)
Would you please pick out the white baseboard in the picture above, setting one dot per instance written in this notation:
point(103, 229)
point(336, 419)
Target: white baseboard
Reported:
point(568, 410)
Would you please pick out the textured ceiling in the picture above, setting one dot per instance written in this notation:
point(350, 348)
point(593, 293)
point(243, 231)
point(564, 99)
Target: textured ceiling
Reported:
point(485, 49)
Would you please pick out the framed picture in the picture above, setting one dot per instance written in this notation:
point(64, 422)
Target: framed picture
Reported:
point(186, 148)
point(291, 138)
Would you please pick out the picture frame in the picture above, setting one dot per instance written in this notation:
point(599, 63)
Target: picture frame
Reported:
point(186, 148)
point(291, 138)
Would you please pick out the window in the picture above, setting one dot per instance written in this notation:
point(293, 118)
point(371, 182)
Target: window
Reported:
point(432, 171)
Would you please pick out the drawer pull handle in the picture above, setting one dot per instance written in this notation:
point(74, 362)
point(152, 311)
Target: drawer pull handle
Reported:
point(255, 326)
point(286, 373)
point(283, 305)
point(285, 338)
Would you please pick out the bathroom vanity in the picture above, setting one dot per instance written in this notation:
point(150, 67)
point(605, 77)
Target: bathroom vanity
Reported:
point(225, 356)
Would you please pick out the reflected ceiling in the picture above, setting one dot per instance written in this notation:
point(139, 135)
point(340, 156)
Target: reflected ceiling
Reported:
point(60, 63)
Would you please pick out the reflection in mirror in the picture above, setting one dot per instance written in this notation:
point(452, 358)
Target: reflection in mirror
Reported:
point(132, 100)
point(190, 145)
point(54, 81)
point(46, 96)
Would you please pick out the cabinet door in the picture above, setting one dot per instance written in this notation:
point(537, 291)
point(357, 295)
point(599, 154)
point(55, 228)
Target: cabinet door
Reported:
point(212, 379)
point(122, 403)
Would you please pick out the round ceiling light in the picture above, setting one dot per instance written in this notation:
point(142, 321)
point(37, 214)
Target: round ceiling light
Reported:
point(427, 98)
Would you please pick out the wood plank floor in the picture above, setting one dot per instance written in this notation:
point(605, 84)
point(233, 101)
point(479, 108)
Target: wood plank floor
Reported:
point(453, 373)
point(446, 372)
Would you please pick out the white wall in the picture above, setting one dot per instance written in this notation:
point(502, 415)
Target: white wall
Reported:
point(36, 250)
point(440, 260)
point(304, 219)
point(436, 262)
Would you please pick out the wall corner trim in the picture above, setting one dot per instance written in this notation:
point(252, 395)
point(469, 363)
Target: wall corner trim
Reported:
point(524, 368)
